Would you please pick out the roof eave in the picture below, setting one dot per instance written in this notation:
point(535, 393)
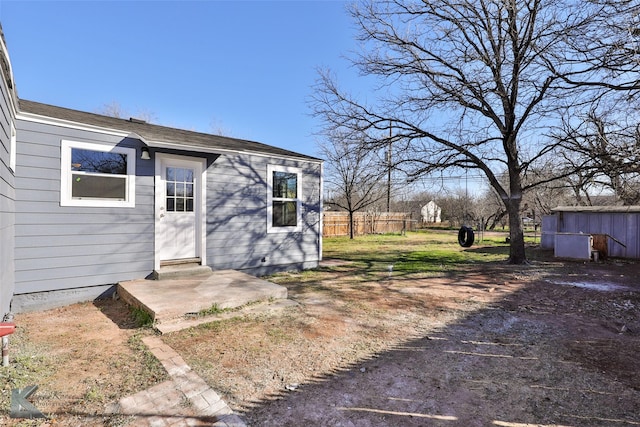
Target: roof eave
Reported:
point(213, 150)
point(182, 146)
point(603, 209)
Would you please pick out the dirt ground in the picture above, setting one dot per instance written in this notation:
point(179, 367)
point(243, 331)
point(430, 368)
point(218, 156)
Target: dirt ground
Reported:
point(551, 343)
point(82, 358)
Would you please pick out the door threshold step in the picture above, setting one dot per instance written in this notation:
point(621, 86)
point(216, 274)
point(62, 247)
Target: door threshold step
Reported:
point(181, 261)
point(177, 271)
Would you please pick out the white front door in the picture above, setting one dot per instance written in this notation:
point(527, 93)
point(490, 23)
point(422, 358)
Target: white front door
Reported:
point(178, 208)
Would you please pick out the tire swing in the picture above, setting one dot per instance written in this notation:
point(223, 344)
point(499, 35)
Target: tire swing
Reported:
point(466, 236)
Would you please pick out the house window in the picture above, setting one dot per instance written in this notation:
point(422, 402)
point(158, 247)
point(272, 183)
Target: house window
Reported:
point(283, 199)
point(97, 175)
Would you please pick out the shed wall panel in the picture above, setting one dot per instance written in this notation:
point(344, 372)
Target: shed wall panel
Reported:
point(573, 245)
point(622, 226)
point(549, 229)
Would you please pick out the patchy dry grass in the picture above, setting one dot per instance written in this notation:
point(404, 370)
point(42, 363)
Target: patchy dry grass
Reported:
point(449, 334)
point(81, 357)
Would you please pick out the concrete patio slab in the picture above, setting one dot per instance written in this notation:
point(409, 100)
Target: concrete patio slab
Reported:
point(269, 307)
point(182, 297)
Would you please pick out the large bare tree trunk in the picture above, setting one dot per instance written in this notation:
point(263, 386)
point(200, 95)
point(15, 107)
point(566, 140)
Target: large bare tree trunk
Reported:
point(516, 234)
point(351, 234)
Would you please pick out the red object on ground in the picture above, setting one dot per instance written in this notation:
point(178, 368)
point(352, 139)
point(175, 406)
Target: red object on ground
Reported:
point(7, 328)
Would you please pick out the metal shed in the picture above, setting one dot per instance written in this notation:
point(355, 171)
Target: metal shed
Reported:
point(614, 230)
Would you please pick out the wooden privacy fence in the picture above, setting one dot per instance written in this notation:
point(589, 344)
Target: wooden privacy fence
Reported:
point(337, 223)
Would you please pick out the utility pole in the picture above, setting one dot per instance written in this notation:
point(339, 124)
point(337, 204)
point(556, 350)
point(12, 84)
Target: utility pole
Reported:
point(389, 171)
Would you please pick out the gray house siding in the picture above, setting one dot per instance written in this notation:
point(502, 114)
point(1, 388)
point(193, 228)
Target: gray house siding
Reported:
point(52, 254)
point(67, 253)
point(237, 235)
point(7, 191)
point(622, 223)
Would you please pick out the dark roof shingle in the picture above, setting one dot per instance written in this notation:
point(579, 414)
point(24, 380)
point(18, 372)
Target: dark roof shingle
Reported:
point(187, 140)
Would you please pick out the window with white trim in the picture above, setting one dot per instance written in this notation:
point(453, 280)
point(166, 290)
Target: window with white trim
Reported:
point(97, 175)
point(284, 185)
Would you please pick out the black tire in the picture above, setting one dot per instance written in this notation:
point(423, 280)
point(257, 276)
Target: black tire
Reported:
point(466, 237)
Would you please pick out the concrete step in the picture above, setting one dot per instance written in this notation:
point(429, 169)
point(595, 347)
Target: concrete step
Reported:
point(178, 269)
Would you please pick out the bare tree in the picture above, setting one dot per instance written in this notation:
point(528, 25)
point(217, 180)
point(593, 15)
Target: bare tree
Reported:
point(602, 137)
point(603, 52)
point(492, 209)
point(353, 176)
point(114, 109)
point(218, 128)
point(469, 84)
point(458, 208)
point(608, 148)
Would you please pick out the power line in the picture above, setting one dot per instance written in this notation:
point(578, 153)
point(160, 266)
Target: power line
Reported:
point(460, 178)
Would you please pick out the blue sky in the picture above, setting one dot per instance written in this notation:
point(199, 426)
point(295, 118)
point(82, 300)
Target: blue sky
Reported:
point(245, 68)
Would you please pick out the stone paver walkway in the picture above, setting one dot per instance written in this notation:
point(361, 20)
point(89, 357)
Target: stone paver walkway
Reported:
point(183, 401)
